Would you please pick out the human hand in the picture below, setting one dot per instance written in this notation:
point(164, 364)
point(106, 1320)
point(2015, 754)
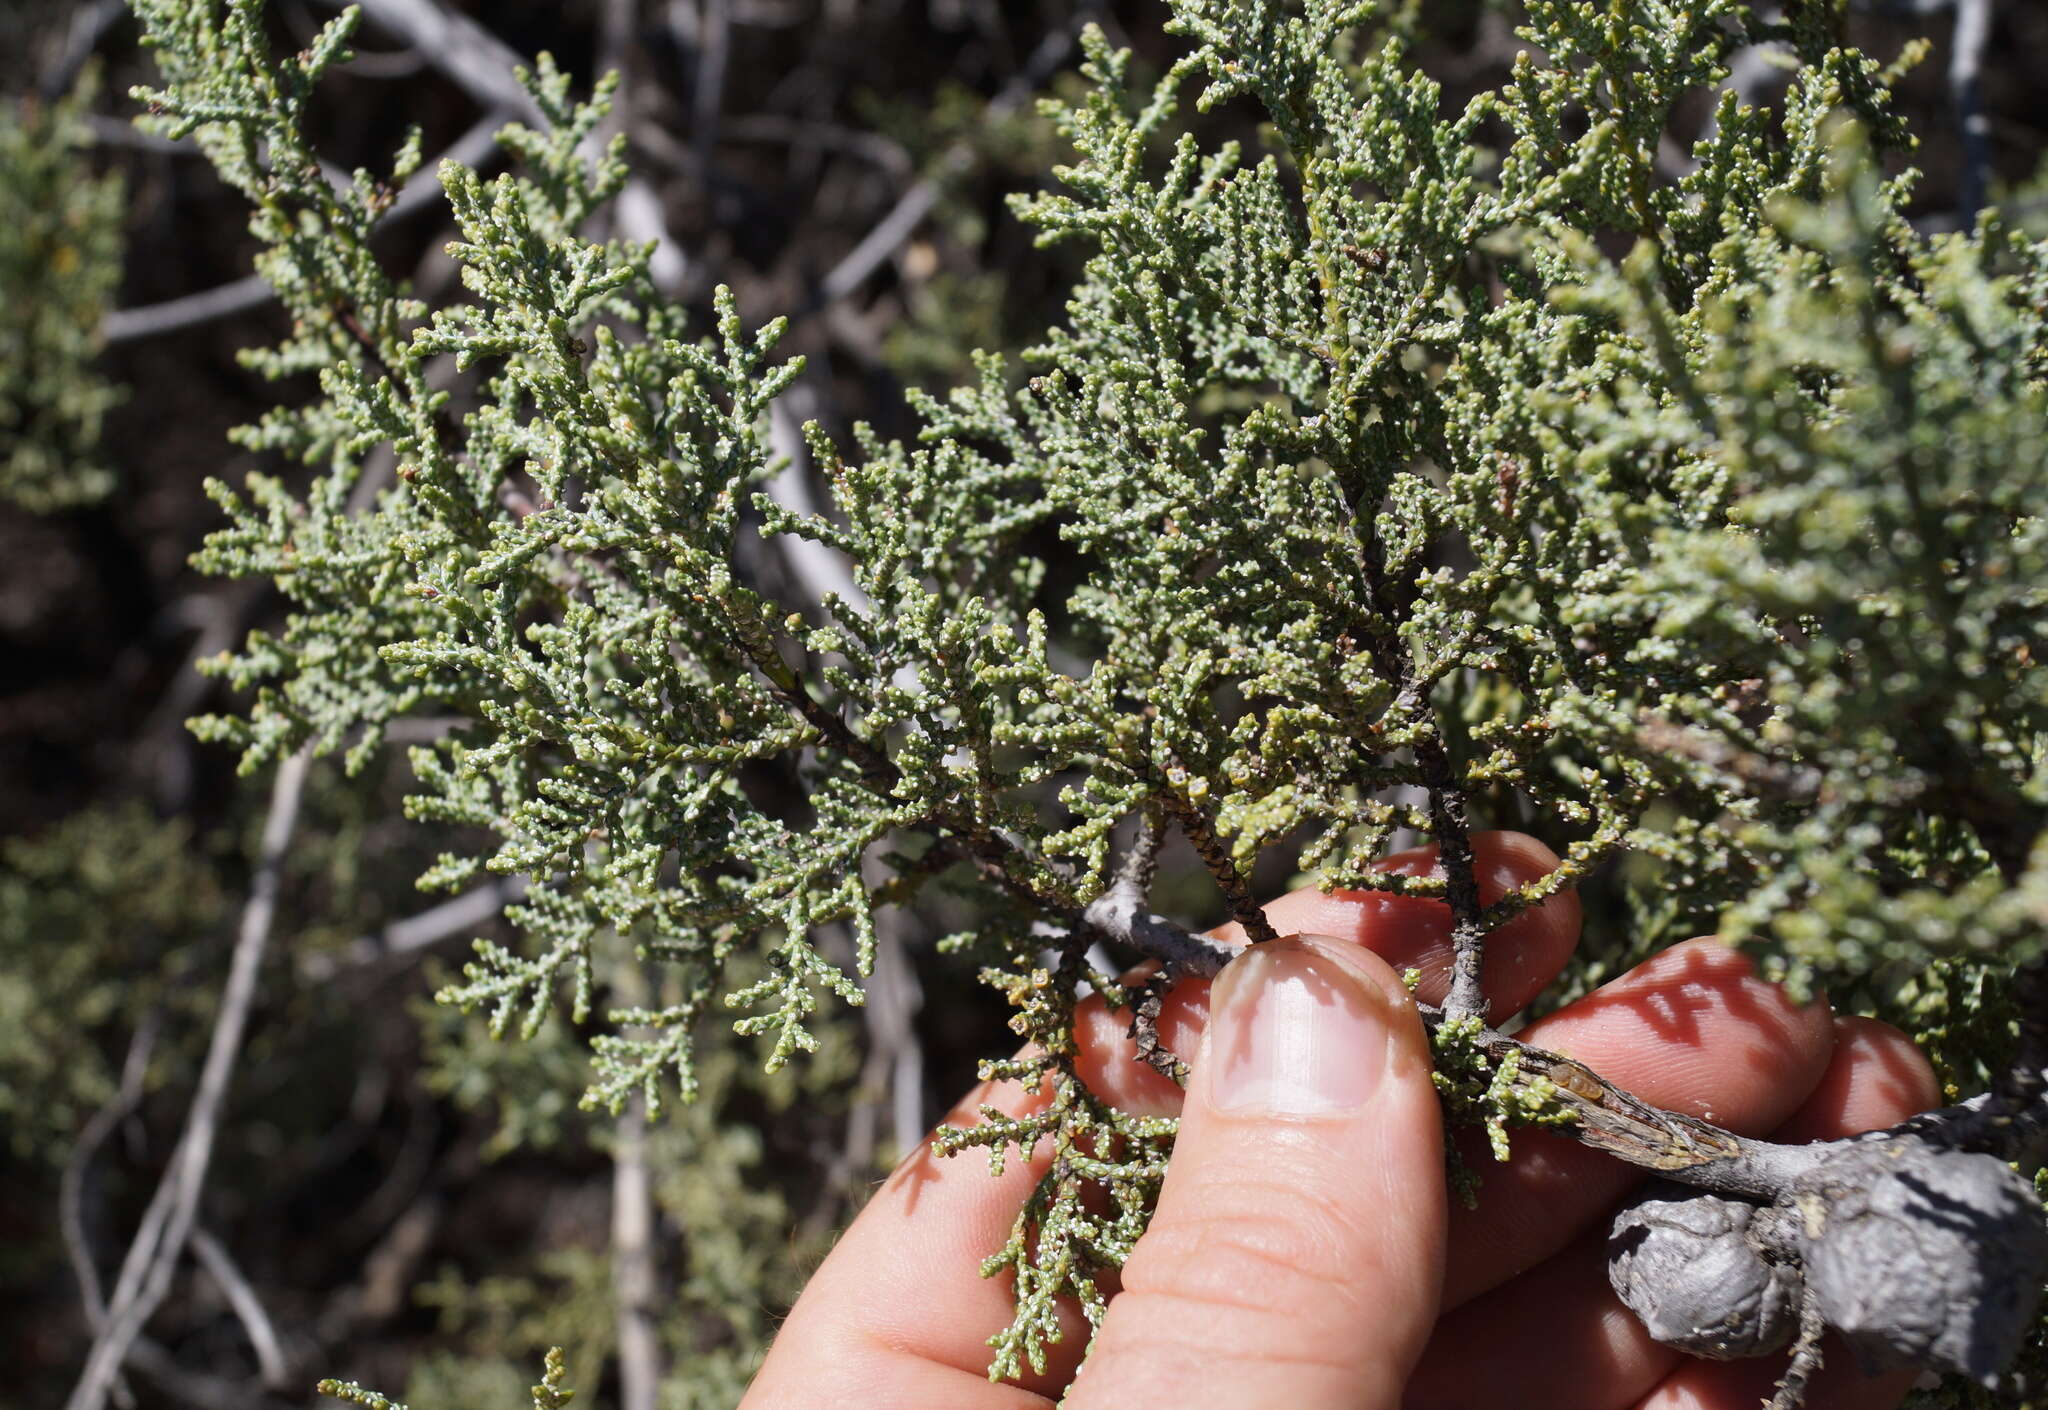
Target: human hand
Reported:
point(1302, 1254)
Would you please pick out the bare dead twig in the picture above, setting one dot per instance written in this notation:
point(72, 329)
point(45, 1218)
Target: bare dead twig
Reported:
point(127, 325)
point(89, 25)
point(152, 1258)
point(71, 1185)
point(914, 204)
point(404, 939)
point(484, 66)
point(871, 147)
point(1758, 773)
point(253, 291)
point(391, 1268)
point(248, 1308)
point(895, 996)
point(197, 1389)
point(633, 1269)
point(707, 88)
point(1973, 128)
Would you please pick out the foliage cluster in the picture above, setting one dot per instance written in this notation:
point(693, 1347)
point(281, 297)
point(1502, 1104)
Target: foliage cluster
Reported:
point(60, 263)
point(129, 897)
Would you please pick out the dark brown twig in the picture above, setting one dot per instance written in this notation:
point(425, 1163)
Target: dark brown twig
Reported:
point(1461, 885)
point(1195, 825)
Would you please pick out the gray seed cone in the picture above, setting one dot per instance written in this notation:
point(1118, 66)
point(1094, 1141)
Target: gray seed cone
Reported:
point(1688, 1265)
point(1923, 1256)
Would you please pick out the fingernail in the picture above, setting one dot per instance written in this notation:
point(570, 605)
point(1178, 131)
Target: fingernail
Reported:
point(1294, 1031)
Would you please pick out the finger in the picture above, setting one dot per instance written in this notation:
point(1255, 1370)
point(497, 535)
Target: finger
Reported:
point(898, 1314)
point(1559, 1336)
point(1414, 932)
point(902, 1287)
point(1692, 1029)
point(1556, 1338)
point(1878, 1077)
point(1744, 1385)
point(1296, 1253)
point(1408, 932)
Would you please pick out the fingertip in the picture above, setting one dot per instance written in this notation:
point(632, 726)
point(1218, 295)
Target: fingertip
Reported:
point(1875, 1076)
point(1501, 861)
point(1296, 1253)
point(1414, 932)
point(1698, 1018)
point(1525, 954)
point(1507, 859)
point(1107, 1057)
point(1408, 1034)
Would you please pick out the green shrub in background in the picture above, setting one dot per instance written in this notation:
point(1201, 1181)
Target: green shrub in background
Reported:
point(1412, 470)
point(60, 265)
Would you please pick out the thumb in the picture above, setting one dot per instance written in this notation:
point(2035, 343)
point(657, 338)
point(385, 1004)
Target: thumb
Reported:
point(1296, 1254)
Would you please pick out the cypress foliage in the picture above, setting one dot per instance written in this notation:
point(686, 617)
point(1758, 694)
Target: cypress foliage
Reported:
point(1406, 468)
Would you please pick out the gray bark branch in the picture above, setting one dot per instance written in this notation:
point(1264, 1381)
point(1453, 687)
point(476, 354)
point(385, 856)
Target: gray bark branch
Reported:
point(152, 1258)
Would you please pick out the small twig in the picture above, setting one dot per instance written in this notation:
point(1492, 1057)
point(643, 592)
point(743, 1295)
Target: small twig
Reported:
point(479, 63)
point(1972, 35)
point(871, 147)
point(915, 203)
point(880, 242)
point(165, 746)
point(71, 1185)
point(89, 25)
point(1461, 887)
point(110, 131)
point(1141, 863)
point(127, 325)
point(637, 215)
point(1757, 773)
point(1144, 1030)
point(252, 291)
point(248, 1308)
point(199, 1390)
point(152, 1258)
point(1127, 896)
point(894, 1026)
point(815, 568)
point(484, 66)
point(403, 939)
point(1195, 825)
point(633, 1280)
point(1806, 1357)
point(1119, 914)
point(390, 1270)
point(707, 91)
